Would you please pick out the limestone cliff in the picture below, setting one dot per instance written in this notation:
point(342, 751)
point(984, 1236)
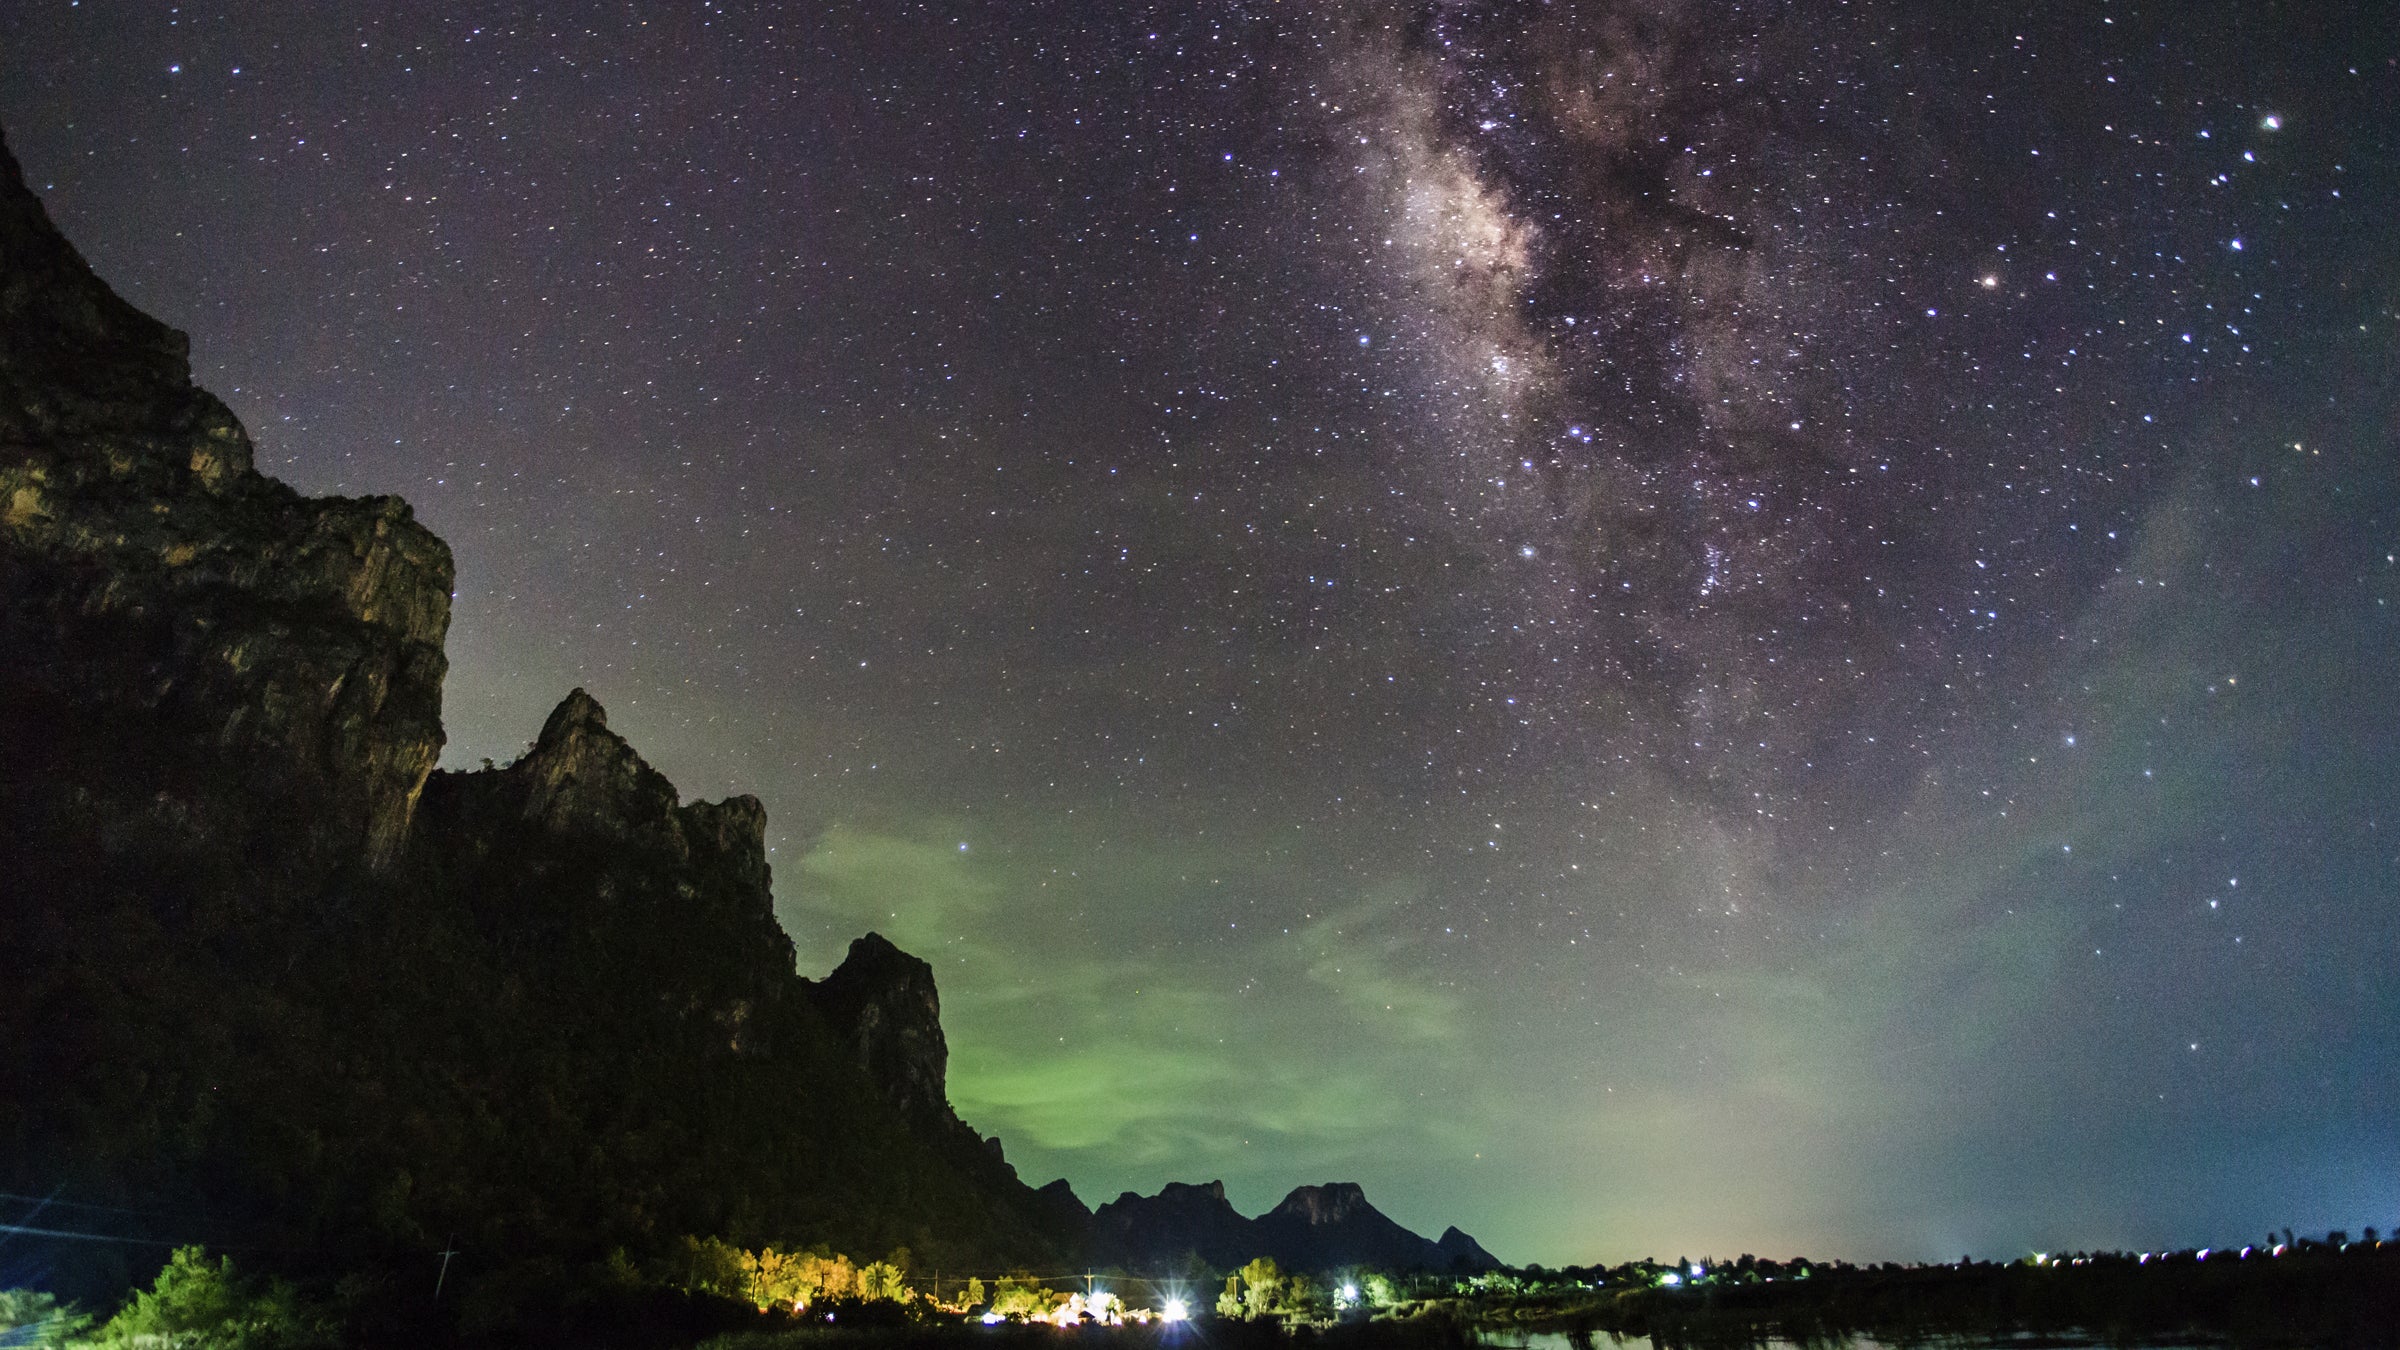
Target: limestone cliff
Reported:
point(261, 962)
point(883, 1004)
point(157, 593)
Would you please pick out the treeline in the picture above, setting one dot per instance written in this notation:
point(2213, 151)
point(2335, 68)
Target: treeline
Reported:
point(2326, 1294)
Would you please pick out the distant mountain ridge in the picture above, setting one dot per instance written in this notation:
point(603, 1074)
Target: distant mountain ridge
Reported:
point(1314, 1228)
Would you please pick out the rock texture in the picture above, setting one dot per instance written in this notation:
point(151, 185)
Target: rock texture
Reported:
point(581, 779)
point(157, 592)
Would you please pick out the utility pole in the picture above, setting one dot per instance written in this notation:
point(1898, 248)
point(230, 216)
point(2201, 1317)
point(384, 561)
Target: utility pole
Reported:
point(449, 1250)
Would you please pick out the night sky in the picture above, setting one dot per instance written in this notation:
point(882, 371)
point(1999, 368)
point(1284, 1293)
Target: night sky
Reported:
point(1652, 627)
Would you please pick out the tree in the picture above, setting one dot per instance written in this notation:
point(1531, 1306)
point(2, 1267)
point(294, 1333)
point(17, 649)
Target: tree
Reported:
point(715, 1266)
point(882, 1282)
point(772, 1279)
point(974, 1294)
point(1019, 1295)
point(198, 1305)
point(1263, 1287)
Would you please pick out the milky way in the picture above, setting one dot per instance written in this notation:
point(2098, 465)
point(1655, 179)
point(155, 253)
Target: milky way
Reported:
point(1651, 627)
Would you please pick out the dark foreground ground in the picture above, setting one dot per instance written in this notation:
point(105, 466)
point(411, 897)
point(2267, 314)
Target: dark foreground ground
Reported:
point(2324, 1297)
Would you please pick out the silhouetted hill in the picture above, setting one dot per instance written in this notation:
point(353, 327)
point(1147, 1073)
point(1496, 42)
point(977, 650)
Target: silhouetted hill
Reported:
point(1180, 1224)
point(1463, 1252)
point(1315, 1228)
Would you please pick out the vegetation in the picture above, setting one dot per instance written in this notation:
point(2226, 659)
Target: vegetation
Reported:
point(196, 1303)
point(31, 1318)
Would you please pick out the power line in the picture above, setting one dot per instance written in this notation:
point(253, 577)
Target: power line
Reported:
point(80, 1237)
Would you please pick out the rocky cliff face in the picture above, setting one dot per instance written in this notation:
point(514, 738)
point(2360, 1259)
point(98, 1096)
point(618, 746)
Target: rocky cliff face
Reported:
point(262, 962)
point(882, 1003)
point(158, 593)
point(1336, 1202)
point(581, 779)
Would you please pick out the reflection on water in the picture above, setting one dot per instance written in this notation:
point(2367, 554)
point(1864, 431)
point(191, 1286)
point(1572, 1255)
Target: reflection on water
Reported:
point(1551, 1340)
point(1518, 1339)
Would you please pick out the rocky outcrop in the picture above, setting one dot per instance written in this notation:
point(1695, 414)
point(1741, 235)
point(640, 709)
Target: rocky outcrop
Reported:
point(1334, 1204)
point(207, 674)
point(581, 779)
point(883, 1005)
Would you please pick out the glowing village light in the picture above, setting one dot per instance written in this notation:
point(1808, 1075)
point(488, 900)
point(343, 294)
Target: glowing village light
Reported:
point(993, 1319)
point(1670, 1278)
point(1176, 1311)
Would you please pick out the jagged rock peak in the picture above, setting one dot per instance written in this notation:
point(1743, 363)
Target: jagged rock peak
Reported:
point(1178, 1194)
point(883, 1003)
point(577, 711)
point(582, 779)
point(1333, 1202)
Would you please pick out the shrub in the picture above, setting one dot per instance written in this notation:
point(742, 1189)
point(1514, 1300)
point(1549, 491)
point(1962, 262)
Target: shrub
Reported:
point(195, 1304)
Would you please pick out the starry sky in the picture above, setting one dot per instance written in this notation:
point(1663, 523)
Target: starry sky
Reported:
point(1650, 626)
